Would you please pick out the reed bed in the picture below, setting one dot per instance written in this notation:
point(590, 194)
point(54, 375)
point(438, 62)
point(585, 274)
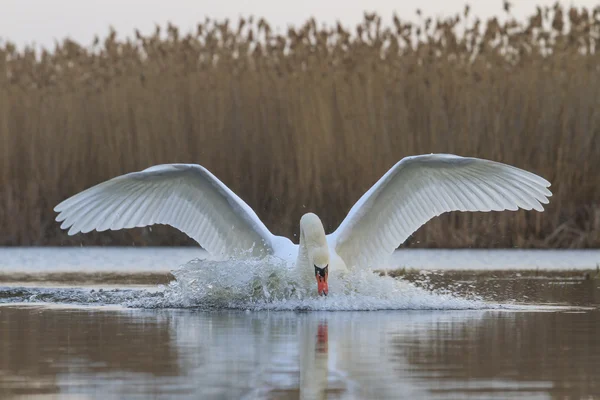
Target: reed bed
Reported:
point(309, 119)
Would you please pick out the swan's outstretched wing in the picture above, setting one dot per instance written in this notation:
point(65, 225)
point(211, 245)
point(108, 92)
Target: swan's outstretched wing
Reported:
point(419, 188)
point(185, 196)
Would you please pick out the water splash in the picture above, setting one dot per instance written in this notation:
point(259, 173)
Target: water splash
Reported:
point(268, 284)
point(271, 284)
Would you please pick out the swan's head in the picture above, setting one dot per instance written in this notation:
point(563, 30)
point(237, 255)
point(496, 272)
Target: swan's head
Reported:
point(320, 261)
point(313, 237)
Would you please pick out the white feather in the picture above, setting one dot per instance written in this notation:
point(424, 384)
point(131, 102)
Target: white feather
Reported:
point(185, 196)
point(419, 188)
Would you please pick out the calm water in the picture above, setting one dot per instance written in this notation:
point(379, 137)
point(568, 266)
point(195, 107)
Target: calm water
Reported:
point(540, 338)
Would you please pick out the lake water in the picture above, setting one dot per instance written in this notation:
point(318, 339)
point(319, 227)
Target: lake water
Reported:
point(106, 323)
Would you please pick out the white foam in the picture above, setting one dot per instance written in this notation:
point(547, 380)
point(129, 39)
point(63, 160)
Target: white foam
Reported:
point(273, 285)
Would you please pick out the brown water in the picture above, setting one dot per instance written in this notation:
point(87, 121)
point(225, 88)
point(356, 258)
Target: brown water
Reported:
point(93, 353)
point(538, 350)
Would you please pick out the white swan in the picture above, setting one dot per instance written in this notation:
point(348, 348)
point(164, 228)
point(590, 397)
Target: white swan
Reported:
point(416, 189)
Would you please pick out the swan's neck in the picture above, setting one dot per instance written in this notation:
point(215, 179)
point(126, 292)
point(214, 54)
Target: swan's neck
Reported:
point(313, 248)
point(312, 233)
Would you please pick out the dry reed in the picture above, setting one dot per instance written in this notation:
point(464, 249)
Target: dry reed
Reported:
point(309, 119)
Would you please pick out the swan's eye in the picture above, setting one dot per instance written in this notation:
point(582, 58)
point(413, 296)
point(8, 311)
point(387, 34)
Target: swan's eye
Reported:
point(321, 271)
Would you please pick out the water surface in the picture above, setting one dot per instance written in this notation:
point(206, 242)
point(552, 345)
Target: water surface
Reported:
point(100, 353)
point(454, 334)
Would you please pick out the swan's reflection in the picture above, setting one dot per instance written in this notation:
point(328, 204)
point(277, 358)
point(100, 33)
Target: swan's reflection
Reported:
point(297, 355)
point(314, 358)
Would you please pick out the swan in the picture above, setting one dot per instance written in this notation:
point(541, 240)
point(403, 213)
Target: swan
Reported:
point(416, 189)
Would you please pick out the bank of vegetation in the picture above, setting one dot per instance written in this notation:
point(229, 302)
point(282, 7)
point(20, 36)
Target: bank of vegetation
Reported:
point(309, 118)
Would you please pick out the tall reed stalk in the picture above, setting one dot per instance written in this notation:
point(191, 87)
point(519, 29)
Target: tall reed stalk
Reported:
point(309, 119)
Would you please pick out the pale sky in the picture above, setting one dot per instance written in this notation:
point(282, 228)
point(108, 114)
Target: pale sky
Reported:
point(43, 21)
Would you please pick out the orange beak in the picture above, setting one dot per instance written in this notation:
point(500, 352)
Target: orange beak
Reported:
point(321, 275)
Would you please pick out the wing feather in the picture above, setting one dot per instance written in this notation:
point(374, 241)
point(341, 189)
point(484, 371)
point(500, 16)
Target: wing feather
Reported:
point(185, 196)
point(419, 188)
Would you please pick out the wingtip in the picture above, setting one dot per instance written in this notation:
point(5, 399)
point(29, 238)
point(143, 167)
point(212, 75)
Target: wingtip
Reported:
point(546, 183)
point(540, 179)
point(60, 207)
